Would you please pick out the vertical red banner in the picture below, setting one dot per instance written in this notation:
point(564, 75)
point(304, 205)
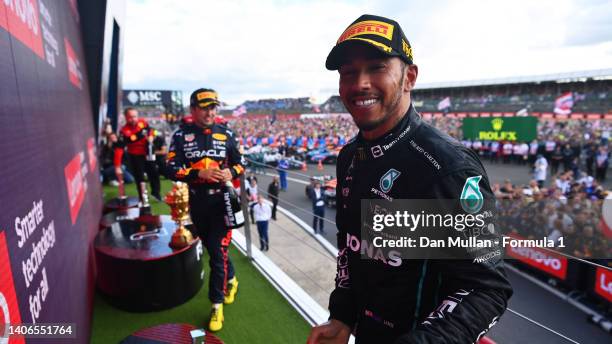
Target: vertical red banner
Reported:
point(74, 66)
point(75, 185)
point(22, 20)
point(9, 308)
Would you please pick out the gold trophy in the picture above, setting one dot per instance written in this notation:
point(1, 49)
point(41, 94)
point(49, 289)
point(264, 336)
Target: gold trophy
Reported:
point(178, 201)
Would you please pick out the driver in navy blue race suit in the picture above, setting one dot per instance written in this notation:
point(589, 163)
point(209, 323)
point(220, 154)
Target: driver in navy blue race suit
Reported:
point(397, 156)
point(205, 155)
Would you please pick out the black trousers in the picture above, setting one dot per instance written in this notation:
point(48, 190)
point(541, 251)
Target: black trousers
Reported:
point(140, 165)
point(207, 216)
point(274, 204)
point(317, 220)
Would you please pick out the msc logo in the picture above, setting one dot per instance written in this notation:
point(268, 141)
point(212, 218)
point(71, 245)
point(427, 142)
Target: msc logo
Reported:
point(497, 124)
point(386, 181)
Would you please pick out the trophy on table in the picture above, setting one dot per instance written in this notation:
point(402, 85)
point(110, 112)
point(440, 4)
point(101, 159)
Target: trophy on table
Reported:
point(145, 207)
point(122, 197)
point(178, 201)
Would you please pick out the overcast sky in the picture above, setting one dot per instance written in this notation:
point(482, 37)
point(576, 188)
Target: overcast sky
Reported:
point(275, 49)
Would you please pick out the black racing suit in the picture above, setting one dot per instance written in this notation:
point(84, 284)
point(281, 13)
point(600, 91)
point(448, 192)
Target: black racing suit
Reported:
point(419, 301)
point(194, 148)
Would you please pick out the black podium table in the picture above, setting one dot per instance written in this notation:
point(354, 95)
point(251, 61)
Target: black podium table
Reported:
point(138, 271)
point(120, 204)
point(118, 215)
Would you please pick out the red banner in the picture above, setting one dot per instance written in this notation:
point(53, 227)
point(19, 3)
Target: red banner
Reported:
point(603, 283)
point(21, 20)
point(9, 308)
point(74, 66)
point(75, 183)
point(543, 260)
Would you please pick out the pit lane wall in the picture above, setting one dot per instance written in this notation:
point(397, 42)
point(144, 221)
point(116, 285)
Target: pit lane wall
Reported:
point(50, 194)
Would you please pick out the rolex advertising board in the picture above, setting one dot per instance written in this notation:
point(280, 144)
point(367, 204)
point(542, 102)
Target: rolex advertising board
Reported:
point(522, 129)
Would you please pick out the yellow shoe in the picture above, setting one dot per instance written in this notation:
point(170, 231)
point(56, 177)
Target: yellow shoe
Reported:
point(216, 319)
point(232, 289)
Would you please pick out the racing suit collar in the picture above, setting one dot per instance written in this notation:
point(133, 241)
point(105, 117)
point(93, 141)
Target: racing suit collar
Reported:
point(402, 130)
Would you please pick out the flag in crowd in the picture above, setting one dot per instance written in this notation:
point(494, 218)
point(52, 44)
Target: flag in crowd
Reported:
point(564, 104)
point(241, 110)
point(444, 104)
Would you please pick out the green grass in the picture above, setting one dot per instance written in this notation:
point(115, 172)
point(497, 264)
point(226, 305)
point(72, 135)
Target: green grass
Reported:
point(259, 315)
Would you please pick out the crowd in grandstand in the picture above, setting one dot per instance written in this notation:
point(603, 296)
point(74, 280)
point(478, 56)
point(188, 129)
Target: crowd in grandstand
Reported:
point(568, 207)
point(286, 105)
point(303, 132)
point(591, 96)
point(576, 145)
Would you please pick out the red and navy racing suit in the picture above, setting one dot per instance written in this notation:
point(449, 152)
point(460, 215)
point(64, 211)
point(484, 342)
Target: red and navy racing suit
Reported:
point(391, 300)
point(135, 137)
point(194, 148)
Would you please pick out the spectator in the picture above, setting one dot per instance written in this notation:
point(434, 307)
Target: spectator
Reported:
point(283, 166)
point(108, 169)
point(540, 170)
point(590, 152)
point(273, 191)
point(251, 177)
point(601, 163)
point(568, 157)
point(262, 213)
point(556, 158)
point(494, 151)
point(318, 208)
point(251, 193)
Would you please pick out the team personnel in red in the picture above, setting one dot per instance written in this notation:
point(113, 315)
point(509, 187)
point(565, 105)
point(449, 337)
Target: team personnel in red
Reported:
point(136, 135)
point(205, 155)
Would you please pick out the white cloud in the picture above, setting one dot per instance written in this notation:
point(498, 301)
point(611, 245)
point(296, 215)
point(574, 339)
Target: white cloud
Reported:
point(258, 49)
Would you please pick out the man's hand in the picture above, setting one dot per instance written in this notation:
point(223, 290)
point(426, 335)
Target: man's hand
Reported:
point(209, 174)
point(227, 174)
point(118, 172)
point(331, 332)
